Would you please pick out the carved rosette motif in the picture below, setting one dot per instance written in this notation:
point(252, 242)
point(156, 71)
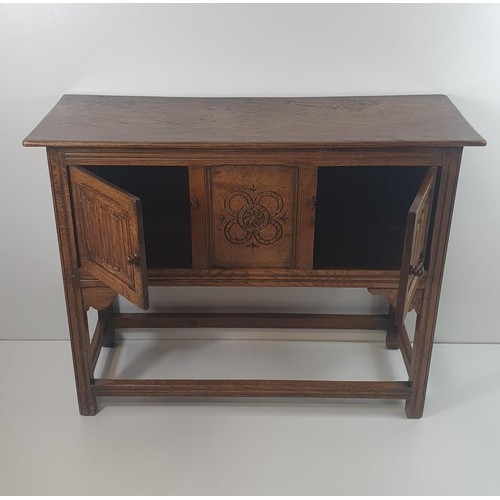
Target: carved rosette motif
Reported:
point(253, 219)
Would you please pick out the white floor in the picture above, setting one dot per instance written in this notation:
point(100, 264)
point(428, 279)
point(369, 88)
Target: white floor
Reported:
point(162, 447)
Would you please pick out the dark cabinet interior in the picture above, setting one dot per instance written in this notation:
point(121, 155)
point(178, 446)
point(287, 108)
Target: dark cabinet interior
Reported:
point(360, 218)
point(361, 215)
point(164, 194)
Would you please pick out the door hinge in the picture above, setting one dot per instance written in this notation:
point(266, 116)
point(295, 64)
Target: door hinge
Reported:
point(417, 270)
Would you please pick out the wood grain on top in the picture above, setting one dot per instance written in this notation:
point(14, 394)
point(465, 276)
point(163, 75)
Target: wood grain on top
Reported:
point(122, 121)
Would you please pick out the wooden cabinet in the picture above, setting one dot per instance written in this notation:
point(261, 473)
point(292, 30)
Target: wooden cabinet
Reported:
point(358, 192)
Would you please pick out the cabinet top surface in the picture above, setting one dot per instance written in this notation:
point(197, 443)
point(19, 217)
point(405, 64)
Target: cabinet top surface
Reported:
point(126, 121)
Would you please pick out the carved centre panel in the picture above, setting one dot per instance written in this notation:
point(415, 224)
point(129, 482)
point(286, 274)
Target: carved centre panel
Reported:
point(253, 216)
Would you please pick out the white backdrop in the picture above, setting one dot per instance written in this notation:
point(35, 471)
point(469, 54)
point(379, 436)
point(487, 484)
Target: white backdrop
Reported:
point(246, 50)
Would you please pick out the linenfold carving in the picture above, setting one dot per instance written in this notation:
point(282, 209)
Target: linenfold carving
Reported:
point(97, 210)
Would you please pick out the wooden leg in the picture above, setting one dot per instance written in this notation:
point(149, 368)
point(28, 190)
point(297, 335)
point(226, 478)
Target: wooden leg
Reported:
point(77, 316)
point(80, 348)
point(422, 350)
point(427, 317)
point(109, 336)
point(391, 338)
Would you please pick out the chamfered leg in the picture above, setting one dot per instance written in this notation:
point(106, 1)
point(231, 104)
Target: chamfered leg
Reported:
point(80, 348)
point(391, 337)
point(422, 349)
point(106, 315)
point(77, 316)
point(427, 317)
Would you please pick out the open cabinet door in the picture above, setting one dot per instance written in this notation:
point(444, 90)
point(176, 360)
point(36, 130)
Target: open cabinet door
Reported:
point(415, 245)
point(110, 235)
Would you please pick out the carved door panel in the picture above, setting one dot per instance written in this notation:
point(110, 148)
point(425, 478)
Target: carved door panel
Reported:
point(252, 215)
point(110, 235)
point(415, 245)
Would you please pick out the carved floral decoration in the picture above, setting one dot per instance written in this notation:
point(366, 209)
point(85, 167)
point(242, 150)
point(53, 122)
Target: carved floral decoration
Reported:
point(253, 219)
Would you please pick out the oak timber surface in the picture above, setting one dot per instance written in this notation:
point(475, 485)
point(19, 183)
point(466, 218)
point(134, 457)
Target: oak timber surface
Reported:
point(123, 121)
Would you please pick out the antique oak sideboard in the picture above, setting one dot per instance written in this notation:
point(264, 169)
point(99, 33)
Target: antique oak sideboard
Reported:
point(322, 192)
